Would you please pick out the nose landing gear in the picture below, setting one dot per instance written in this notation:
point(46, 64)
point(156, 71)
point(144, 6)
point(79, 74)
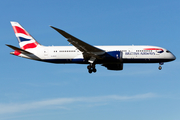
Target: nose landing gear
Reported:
point(91, 68)
point(160, 65)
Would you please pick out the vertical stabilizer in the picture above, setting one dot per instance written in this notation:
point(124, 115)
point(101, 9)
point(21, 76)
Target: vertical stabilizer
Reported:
point(26, 41)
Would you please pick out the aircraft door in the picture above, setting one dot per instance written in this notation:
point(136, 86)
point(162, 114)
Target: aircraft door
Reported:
point(78, 52)
point(130, 53)
point(45, 53)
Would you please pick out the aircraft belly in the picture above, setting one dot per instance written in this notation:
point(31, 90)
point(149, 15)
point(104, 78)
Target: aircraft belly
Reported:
point(145, 60)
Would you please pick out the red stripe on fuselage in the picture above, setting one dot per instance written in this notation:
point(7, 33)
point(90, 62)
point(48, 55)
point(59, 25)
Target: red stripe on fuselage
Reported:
point(30, 45)
point(20, 30)
point(152, 49)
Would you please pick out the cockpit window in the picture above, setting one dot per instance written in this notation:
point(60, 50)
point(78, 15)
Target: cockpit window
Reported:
point(168, 51)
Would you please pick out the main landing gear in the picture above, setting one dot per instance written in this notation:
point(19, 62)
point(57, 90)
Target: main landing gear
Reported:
point(160, 65)
point(91, 68)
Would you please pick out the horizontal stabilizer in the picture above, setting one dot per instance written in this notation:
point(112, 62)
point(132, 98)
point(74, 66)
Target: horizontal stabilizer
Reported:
point(19, 49)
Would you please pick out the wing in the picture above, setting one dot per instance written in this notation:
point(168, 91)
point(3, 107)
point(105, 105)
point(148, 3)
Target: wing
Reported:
point(85, 48)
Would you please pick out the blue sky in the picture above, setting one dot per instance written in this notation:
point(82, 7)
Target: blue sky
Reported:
point(36, 90)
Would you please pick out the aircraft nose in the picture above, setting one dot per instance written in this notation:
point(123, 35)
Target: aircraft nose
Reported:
point(172, 57)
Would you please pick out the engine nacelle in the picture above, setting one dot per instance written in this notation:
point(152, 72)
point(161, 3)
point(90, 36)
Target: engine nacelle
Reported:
point(113, 56)
point(114, 60)
point(114, 66)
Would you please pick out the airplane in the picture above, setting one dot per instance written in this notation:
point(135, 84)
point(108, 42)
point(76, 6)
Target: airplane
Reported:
point(111, 57)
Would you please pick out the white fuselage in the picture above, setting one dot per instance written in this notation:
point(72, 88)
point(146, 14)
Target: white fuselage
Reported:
point(130, 54)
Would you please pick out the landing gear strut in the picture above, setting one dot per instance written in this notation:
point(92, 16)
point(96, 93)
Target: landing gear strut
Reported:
point(91, 68)
point(160, 65)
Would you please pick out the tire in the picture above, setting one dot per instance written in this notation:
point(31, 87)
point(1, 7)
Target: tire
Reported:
point(90, 71)
point(94, 70)
point(160, 68)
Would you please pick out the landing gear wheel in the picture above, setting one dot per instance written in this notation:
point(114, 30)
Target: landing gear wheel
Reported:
point(91, 68)
point(161, 63)
point(90, 71)
point(94, 70)
point(159, 67)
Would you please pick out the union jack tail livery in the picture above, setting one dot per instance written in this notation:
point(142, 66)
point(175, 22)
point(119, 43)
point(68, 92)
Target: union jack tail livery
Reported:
point(26, 41)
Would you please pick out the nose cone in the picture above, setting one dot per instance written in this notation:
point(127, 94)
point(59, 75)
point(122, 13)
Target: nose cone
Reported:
point(169, 55)
point(172, 57)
